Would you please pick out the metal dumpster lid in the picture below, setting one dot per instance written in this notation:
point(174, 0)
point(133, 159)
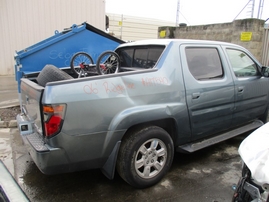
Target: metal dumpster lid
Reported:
point(98, 31)
point(74, 29)
point(71, 40)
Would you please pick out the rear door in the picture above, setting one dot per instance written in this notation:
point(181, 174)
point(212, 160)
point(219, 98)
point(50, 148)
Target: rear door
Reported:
point(209, 89)
point(251, 88)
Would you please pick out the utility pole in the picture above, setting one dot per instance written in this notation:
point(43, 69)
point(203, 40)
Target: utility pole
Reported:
point(178, 10)
point(260, 9)
point(121, 26)
point(252, 10)
point(252, 6)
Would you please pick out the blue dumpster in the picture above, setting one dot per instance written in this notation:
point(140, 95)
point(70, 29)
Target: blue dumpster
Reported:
point(59, 49)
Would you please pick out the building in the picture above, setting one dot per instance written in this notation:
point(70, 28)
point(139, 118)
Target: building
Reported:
point(130, 28)
point(26, 22)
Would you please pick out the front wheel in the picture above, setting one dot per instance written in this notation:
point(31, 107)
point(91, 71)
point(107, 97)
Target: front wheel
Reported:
point(145, 156)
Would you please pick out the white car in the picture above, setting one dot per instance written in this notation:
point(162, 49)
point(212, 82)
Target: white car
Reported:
point(254, 183)
point(10, 191)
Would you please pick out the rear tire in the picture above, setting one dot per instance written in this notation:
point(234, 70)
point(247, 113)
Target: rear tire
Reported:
point(145, 156)
point(51, 73)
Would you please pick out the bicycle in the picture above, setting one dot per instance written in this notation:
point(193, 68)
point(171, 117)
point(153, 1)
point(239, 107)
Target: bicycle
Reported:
point(107, 63)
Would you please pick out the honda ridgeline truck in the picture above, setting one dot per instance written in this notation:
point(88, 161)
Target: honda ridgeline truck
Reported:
point(167, 95)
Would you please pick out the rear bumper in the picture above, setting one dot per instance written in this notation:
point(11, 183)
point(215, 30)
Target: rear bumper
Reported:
point(49, 160)
point(69, 153)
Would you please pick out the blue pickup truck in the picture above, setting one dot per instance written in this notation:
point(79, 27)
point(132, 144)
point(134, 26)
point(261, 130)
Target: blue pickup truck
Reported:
point(165, 95)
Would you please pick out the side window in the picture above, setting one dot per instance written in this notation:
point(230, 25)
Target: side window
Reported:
point(140, 57)
point(204, 63)
point(242, 64)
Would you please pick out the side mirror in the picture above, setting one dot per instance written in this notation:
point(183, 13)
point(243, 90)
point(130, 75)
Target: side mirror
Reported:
point(265, 71)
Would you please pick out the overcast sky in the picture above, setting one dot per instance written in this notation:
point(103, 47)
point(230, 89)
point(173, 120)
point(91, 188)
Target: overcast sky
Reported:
point(192, 12)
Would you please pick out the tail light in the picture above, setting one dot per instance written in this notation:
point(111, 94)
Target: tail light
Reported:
point(53, 118)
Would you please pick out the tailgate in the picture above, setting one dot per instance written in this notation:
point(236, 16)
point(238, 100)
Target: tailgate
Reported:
point(31, 94)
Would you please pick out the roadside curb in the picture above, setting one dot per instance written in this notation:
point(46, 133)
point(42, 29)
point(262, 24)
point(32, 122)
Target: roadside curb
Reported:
point(8, 124)
point(9, 103)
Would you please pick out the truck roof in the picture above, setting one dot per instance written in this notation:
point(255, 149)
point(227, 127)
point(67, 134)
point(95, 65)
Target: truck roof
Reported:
point(168, 41)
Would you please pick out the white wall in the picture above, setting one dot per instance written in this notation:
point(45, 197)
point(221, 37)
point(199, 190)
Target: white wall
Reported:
point(26, 22)
point(135, 28)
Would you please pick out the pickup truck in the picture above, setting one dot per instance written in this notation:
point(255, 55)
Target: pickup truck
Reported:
point(168, 95)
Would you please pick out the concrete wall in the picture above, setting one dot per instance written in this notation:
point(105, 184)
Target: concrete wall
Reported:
point(26, 22)
point(227, 32)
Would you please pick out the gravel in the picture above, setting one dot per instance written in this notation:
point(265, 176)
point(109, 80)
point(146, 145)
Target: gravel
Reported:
point(8, 114)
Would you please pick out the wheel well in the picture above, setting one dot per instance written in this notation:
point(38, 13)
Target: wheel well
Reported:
point(168, 125)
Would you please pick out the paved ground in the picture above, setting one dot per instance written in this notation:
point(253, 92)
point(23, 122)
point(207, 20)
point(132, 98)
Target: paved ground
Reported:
point(8, 98)
point(204, 176)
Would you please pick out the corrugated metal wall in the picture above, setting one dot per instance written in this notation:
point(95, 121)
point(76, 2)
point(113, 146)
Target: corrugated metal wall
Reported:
point(26, 22)
point(130, 28)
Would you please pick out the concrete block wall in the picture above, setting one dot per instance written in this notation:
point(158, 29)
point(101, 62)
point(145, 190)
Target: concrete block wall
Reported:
point(227, 32)
point(255, 26)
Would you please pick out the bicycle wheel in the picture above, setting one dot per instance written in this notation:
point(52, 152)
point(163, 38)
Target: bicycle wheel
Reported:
point(80, 63)
point(108, 63)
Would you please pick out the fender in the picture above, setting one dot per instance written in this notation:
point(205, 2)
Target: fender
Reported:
point(147, 113)
point(130, 117)
point(141, 114)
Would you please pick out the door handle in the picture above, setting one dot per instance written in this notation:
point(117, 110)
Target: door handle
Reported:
point(195, 95)
point(240, 89)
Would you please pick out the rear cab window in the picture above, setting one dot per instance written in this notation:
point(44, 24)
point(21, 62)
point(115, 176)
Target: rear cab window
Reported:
point(139, 57)
point(204, 63)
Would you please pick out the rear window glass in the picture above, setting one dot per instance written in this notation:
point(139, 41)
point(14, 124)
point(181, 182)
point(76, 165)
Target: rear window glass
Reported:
point(204, 63)
point(140, 57)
